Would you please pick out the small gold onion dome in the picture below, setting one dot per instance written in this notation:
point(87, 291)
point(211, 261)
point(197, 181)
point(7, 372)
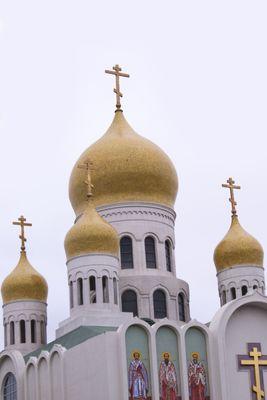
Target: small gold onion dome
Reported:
point(91, 234)
point(24, 283)
point(238, 248)
point(127, 167)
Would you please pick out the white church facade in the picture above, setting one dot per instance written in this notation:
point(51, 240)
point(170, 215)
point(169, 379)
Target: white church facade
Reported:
point(130, 334)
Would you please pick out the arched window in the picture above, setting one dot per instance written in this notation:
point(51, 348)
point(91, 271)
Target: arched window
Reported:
point(22, 330)
point(12, 332)
point(33, 331)
point(92, 289)
point(129, 302)
point(233, 293)
point(105, 289)
point(181, 307)
point(159, 301)
point(150, 252)
point(223, 297)
point(71, 294)
point(115, 290)
point(80, 291)
point(255, 287)
point(126, 249)
point(168, 255)
point(244, 290)
point(5, 334)
point(10, 387)
point(43, 332)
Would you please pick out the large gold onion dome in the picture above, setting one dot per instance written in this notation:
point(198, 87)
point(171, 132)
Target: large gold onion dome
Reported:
point(91, 234)
point(238, 248)
point(24, 283)
point(127, 168)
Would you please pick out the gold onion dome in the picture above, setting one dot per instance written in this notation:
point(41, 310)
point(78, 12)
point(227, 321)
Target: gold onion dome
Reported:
point(24, 283)
point(91, 234)
point(238, 248)
point(128, 168)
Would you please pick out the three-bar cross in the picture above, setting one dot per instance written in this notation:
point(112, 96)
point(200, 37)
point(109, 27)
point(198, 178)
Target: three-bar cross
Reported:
point(117, 72)
point(87, 165)
point(231, 185)
point(22, 223)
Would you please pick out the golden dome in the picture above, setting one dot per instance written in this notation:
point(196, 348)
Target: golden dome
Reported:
point(238, 248)
point(127, 167)
point(91, 234)
point(24, 283)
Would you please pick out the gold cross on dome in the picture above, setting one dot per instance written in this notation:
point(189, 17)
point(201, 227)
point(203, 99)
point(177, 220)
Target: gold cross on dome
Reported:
point(117, 72)
point(88, 166)
point(22, 223)
point(231, 185)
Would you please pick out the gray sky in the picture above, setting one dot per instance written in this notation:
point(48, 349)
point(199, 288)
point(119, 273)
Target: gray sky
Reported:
point(198, 89)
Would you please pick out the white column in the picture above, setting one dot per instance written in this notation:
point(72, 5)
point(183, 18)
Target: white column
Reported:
point(99, 290)
point(75, 294)
point(28, 331)
point(86, 296)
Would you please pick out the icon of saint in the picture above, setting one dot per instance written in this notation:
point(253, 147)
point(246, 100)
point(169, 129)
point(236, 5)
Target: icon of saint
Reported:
point(196, 378)
point(138, 378)
point(167, 379)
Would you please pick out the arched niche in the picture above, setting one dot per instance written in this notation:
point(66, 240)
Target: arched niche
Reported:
point(168, 364)
point(55, 369)
point(43, 379)
point(197, 364)
point(137, 353)
point(31, 382)
point(245, 330)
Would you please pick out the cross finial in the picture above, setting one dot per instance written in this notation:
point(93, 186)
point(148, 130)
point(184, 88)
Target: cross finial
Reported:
point(117, 72)
point(231, 185)
point(87, 165)
point(22, 223)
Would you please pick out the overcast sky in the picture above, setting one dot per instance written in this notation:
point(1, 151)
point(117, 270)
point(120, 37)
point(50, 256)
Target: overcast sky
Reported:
point(198, 89)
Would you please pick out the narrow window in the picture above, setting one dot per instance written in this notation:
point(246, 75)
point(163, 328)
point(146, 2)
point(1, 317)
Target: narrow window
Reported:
point(168, 255)
point(71, 294)
point(115, 290)
point(5, 334)
point(33, 331)
point(129, 302)
point(80, 291)
point(181, 307)
point(43, 332)
point(159, 301)
point(12, 332)
point(244, 290)
point(126, 249)
point(223, 297)
point(150, 252)
point(22, 331)
point(105, 289)
point(92, 289)
point(255, 287)
point(233, 293)
point(10, 387)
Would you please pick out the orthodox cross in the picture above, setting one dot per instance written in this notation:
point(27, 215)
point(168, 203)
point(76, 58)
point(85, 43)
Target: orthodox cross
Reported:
point(87, 165)
point(255, 362)
point(231, 185)
point(22, 223)
point(117, 72)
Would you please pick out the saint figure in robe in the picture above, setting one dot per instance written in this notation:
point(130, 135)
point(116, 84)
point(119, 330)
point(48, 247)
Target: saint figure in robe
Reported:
point(138, 378)
point(167, 379)
point(196, 378)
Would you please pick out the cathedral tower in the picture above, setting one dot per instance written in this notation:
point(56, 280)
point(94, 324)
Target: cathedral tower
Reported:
point(24, 293)
point(238, 259)
point(92, 247)
point(135, 190)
